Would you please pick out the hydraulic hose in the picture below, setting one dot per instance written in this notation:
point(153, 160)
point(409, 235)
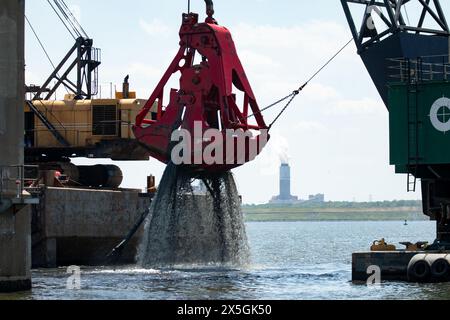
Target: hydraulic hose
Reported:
point(209, 8)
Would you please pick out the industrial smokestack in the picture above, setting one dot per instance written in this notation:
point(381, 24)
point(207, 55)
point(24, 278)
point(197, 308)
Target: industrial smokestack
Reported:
point(285, 182)
point(285, 195)
point(126, 88)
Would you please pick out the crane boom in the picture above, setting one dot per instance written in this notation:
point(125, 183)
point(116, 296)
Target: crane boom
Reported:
point(391, 35)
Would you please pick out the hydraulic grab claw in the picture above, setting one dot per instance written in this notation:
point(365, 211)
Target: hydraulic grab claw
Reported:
point(205, 103)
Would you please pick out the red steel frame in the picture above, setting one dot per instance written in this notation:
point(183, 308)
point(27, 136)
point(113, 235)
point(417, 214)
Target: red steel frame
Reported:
point(205, 94)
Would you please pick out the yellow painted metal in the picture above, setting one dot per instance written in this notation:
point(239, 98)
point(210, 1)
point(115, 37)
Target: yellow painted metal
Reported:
point(131, 95)
point(74, 120)
point(381, 245)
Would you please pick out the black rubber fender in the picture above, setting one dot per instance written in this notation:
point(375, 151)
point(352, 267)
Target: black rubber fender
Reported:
point(440, 267)
point(419, 269)
point(105, 176)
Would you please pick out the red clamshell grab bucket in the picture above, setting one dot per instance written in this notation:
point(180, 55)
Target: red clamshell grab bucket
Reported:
point(202, 124)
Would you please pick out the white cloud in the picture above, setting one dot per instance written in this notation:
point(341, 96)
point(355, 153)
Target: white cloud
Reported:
point(276, 152)
point(76, 11)
point(364, 106)
point(142, 69)
point(32, 78)
point(255, 59)
point(310, 127)
point(278, 59)
point(317, 92)
point(307, 36)
point(154, 28)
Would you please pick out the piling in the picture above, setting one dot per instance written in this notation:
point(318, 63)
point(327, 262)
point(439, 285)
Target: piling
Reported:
point(15, 218)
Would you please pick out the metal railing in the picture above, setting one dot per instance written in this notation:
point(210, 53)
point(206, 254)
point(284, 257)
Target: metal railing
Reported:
point(18, 175)
point(422, 69)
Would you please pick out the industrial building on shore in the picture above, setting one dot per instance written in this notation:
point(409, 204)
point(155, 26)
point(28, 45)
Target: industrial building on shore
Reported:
point(285, 196)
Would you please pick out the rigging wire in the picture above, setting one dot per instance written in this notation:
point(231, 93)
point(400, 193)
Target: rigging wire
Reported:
point(326, 64)
point(73, 19)
point(40, 42)
point(62, 20)
point(66, 16)
point(295, 93)
point(42, 47)
point(68, 19)
point(407, 16)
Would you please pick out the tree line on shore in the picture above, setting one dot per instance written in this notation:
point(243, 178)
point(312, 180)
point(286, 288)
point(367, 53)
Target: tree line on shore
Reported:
point(342, 204)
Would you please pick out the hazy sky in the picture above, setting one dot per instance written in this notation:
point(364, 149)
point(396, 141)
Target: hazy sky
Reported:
point(336, 132)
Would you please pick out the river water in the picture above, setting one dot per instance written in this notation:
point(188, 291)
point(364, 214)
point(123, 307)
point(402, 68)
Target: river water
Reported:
point(301, 261)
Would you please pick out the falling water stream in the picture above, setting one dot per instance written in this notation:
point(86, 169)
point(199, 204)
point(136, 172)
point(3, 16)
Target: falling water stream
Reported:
point(188, 228)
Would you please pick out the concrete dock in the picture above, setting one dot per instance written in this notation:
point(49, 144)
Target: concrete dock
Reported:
point(15, 249)
point(81, 226)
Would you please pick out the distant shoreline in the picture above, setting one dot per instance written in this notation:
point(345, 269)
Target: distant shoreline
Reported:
point(382, 211)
